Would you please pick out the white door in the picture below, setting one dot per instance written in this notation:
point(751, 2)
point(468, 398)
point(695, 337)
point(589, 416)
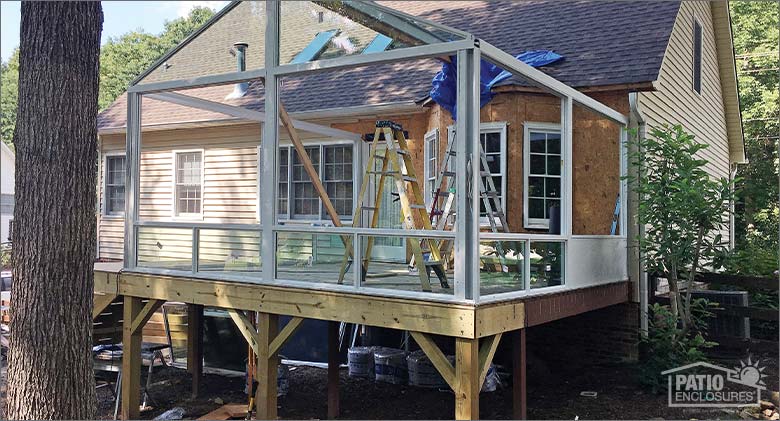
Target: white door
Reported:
point(388, 249)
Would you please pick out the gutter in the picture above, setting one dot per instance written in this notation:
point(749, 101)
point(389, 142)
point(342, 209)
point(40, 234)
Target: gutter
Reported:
point(635, 227)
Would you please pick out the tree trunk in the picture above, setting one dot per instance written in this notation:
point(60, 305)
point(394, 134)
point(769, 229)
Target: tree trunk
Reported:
point(50, 360)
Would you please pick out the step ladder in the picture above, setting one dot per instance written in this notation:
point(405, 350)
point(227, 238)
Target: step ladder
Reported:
point(396, 162)
point(442, 205)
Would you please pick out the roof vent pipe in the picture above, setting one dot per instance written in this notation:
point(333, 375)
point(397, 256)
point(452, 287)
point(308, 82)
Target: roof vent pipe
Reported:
point(239, 50)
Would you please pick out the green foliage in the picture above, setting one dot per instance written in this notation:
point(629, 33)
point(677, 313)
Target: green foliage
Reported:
point(756, 40)
point(5, 256)
point(123, 58)
point(667, 346)
point(9, 94)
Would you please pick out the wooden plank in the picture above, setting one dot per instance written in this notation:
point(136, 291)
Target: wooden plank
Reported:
point(100, 302)
point(146, 312)
point(226, 412)
point(466, 379)
point(486, 353)
point(750, 283)
point(285, 334)
point(267, 366)
point(437, 358)
point(245, 327)
point(499, 318)
point(519, 391)
point(404, 314)
point(131, 360)
point(195, 346)
point(333, 370)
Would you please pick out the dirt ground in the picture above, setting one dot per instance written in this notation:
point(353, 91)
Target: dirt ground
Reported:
point(620, 396)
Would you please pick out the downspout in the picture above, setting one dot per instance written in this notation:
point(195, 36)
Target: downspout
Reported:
point(636, 229)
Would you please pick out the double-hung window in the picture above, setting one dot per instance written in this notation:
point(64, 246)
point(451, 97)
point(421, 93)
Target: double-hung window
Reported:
point(114, 200)
point(542, 173)
point(188, 190)
point(431, 164)
point(297, 197)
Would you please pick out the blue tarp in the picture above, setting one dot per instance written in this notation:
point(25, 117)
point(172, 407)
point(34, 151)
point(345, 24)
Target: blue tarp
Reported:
point(445, 83)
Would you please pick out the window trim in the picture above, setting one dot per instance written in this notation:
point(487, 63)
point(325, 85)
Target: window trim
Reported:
point(528, 127)
point(323, 217)
point(430, 136)
point(694, 73)
point(491, 127)
point(188, 216)
point(103, 203)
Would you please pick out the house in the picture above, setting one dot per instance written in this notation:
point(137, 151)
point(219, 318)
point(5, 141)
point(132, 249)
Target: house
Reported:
point(204, 145)
point(7, 168)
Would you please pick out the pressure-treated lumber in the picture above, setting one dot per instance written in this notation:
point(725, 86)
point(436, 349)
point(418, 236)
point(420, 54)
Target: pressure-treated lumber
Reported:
point(267, 366)
point(486, 353)
point(289, 329)
point(519, 403)
point(131, 360)
point(246, 328)
point(195, 345)
point(145, 314)
point(333, 370)
point(466, 379)
point(101, 302)
point(437, 358)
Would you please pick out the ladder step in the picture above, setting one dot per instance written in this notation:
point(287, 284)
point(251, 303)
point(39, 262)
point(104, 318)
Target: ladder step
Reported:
point(432, 263)
point(498, 213)
point(379, 156)
point(453, 153)
point(369, 208)
point(448, 173)
point(417, 206)
point(490, 194)
point(402, 151)
point(409, 179)
point(383, 172)
point(484, 173)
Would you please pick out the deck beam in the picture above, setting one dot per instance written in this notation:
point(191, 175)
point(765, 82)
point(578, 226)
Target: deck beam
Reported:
point(131, 360)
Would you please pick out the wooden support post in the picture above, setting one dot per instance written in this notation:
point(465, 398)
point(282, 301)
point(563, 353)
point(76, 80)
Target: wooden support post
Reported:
point(519, 407)
point(466, 379)
point(333, 370)
point(131, 360)
point(195, 345)
point(267, 366)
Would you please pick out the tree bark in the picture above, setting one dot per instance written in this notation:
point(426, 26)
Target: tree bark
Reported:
point(50, 360)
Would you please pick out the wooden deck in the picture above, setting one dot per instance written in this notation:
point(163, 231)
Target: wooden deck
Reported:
point(477, 329)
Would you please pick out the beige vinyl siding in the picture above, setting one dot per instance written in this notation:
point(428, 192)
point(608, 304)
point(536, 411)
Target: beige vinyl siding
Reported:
point(229, 191)
point(675, 101)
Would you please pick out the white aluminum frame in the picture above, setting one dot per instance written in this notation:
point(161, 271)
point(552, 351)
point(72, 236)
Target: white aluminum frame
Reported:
point(469, 52)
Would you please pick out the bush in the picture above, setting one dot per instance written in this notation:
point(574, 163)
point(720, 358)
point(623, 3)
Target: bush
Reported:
point(5, 256)
point(667, 346)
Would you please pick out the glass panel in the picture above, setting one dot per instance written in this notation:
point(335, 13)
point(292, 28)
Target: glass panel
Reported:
point(536, 186)
point(229, 251)
point(537, 142)
point(546, 264)
point(401, 272)
point(338, 179)
point(537, 164)
point(165, 248)
point(552, 187)
point(554, 143)
point(310, 257)
point(306, 201)
point(500, 266)
point(536, 208)
point(314, 31)
point(553, 165)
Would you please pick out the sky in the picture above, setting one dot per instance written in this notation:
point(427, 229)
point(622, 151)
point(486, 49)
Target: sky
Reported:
point(118, 17)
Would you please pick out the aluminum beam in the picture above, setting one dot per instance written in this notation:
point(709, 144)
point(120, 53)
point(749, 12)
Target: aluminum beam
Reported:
point(197, 82)
point(239, 112)
point(548, 83)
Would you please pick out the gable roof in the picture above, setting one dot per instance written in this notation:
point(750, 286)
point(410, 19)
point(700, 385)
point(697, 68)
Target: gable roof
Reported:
point(604, 44)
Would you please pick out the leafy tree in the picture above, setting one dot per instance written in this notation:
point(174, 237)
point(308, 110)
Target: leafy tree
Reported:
point(9, 86)
point(683, 209)
point(123, 58)
point(756, 43)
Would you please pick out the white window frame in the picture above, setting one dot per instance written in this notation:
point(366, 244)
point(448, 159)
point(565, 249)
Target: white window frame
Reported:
point(104, 202)
point(323, 217)
point(492, 127)
point(174, 202)
point(431, 136)
point(528, 127)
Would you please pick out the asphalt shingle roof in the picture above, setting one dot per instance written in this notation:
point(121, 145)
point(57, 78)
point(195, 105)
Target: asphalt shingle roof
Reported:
point(603, 43)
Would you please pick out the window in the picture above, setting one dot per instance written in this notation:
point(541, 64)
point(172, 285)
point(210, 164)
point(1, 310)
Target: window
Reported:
point(431, 164)
point(115, 185)
point(297, 197)
point(188, 196)
point(697, 56)
point(542, 173)
point(493, 139)
point(492, 136)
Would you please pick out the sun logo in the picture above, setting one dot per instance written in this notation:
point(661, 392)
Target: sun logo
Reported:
point(750, 373)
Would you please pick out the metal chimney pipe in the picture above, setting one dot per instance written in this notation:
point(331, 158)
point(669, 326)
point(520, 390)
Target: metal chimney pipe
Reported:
point(240, 89)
